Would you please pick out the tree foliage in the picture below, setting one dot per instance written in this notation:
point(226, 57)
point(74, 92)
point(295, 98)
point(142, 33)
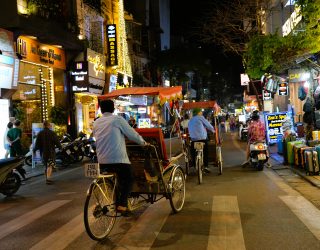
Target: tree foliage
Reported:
point(231, 24)
point(235, 26)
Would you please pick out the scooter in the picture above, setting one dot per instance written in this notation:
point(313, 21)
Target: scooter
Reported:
point(28, 157)
point(259, 155)
point(243, 132)
point(10, 180)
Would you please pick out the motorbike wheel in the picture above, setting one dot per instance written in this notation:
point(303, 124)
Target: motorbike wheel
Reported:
point(260, 166)
point(11, 184)
point(78, 157)
point(28, 160)
point(63, 159)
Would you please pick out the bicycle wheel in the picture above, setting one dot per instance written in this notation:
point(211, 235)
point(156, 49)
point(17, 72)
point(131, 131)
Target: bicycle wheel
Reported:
point(199, 169)
point(178, 190)
point(187, 160)
point(99, 210)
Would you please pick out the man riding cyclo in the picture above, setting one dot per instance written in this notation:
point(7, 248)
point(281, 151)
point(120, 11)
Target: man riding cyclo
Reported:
point(198, 126)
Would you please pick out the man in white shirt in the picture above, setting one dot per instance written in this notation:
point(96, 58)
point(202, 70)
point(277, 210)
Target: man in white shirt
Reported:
point(109, 131)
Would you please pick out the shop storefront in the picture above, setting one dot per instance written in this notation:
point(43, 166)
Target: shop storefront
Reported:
point(88, 80)
point(150, 106)
point(9, 66)
point(299, 78)
point(40, 81)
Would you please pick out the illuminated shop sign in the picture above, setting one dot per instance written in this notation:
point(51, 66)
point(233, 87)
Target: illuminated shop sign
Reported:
point(7, 67)
point(274, 125)
point(33, 51)
point(283, 89)
point(112, 45)
point(79, 77)
point(96, 64)
point(266, 95)
point(298, 75)
point(244, 79)
point(292, 21)
point(113, 82)
point(144, 123)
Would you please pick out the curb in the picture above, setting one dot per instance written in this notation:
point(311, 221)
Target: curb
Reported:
point(309, 178)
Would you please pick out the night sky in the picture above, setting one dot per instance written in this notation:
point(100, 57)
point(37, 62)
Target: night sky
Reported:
point(185, 18)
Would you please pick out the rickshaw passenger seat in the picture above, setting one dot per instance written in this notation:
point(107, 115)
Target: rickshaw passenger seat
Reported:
point(155, 134)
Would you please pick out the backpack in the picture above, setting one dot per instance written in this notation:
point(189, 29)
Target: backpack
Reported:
point(308, 117)
point(302, 93)
point(307, 106)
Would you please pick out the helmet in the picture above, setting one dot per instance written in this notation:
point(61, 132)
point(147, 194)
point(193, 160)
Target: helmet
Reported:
point(255, 115)
point(195, 111)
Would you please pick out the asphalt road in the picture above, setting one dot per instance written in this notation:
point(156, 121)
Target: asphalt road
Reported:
point(240, 209)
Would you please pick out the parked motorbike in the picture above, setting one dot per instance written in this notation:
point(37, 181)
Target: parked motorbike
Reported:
point(10, 171)
point(65, 140)
point(28, 157)
point(259, 155)
point(90, 148)
point(64, 155)
point(243, 132)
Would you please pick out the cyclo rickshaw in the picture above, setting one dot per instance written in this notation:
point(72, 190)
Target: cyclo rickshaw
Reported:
point(215, 141)
point(157, 172)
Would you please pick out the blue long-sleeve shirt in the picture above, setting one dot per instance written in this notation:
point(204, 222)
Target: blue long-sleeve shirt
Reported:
point(110, 132)
point(198, 126)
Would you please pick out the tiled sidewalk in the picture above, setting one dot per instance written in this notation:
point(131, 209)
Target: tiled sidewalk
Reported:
point(314, 180)
point(37, 170)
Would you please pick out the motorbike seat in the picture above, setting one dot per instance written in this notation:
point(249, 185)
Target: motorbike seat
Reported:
point(5, 162)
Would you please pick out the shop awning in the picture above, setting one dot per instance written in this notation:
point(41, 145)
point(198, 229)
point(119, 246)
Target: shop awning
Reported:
point(164, 93)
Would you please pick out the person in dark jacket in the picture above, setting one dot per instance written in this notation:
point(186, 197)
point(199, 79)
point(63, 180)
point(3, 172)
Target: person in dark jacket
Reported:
point(14, 138)
point(46, 142)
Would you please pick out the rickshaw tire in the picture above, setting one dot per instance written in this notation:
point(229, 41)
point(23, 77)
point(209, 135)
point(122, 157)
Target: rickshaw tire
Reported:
point(199, 169)
point(87, 205)
point(178, 184)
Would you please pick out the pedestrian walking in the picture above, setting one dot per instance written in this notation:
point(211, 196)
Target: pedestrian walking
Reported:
point(5, 139)
point(46, 141)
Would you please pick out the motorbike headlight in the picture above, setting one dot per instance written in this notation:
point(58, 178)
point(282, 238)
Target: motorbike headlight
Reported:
point(260, 147)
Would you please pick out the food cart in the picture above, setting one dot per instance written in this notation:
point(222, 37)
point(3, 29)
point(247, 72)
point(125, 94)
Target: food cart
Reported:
point(216, 141)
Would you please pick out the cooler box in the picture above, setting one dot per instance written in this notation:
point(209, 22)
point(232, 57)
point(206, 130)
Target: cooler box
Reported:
point(280, 144)
point(290, 152)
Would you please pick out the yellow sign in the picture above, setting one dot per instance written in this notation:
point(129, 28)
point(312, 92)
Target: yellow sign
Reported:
point(33, 51)
point(97, 64)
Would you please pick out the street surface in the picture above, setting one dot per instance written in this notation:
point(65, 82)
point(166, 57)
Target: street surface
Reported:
point(240, 209)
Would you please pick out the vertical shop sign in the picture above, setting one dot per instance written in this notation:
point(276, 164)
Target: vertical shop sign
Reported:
point(283, 89)
point(274, 125)
point(266, 95)
point(112, 45)
point(79, 77)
